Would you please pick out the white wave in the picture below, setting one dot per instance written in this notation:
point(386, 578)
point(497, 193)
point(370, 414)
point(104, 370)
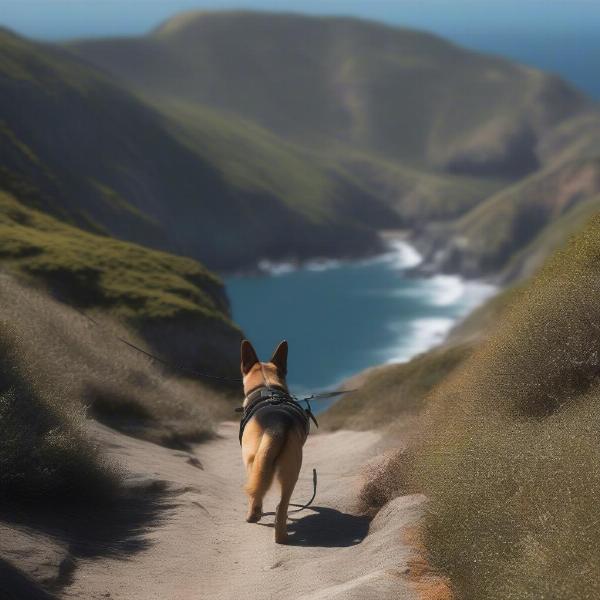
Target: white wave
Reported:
point(475, 294)
point(423, 335)
point(449, 290)
point(276, 268)
point(445, 290)
point(322, 264)
point(403, 255)
point(399, 256)
point(453, 293)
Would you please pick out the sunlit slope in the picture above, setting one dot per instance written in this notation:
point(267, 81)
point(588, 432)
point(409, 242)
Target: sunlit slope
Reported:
point(515, 229)
point(336, 83)
point(157, 293)
point(78, 146)
point(256, 162)
point(510, 459)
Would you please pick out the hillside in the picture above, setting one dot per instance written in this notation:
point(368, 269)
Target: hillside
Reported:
point(514, 230)
point(457, 144)
point(77, 145)
point(523, 457)
point(177, 305)
point(503, 443)
point(337, 83)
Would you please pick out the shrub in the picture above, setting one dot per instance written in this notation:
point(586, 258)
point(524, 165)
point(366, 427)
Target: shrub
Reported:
point(510, 455)
point(44, 453)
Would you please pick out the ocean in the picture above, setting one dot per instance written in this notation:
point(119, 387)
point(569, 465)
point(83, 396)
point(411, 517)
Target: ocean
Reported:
point(342, 317)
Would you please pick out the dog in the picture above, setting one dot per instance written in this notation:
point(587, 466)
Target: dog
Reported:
point(273, 436)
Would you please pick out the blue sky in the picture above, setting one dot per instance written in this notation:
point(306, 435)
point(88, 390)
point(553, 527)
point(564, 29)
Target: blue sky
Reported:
point(56, 19)
point(555, 35)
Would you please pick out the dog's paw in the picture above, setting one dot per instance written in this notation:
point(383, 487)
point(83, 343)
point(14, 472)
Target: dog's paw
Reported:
point(281, 538)
point(254, 515)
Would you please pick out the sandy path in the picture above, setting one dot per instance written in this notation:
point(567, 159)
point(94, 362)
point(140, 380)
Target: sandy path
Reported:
point(203, 549)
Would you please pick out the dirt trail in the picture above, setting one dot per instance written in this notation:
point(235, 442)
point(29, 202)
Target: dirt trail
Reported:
point(203, 548)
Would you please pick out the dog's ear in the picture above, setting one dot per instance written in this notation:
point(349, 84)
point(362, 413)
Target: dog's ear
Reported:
point(249, 357)
point(279, 358)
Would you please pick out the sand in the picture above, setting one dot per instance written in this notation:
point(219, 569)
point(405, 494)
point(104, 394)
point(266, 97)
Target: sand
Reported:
point(194, 543)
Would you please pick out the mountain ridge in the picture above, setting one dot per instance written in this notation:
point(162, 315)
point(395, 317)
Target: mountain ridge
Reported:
point(102, 159)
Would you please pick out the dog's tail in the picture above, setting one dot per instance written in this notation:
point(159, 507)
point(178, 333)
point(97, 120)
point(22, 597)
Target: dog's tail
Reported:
point(263, 467)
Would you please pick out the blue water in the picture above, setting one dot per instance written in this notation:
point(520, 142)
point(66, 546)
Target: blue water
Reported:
point(340, 318)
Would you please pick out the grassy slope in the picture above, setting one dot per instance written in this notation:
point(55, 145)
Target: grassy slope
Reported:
point(389, 394)
point(432, 130)
point(514, 487)
point(394, 391)
point(56, 370)
point(78, 146)
point(138, 285)
point(507, 451)
point(516, 228)
point(45, 455)
point(339, 83)
point(255, 161)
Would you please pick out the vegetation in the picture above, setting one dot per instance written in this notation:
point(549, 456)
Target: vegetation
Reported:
point(516, 228)
point(63, 365)
point(87, 270)
point(118, 167)
point(334, 83)
point(44, 455)
point(394, 391)
point(508, 453)
point(174, 302)
point(372, 124)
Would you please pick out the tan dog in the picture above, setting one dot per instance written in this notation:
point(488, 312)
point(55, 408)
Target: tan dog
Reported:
point(272, 438)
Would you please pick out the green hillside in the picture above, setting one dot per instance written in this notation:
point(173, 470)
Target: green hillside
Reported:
point(256, 162)
point(514, 488)
point(517, 228)
point(455, 143)
point(76, 145)
point(338, 83)
point(152, 291)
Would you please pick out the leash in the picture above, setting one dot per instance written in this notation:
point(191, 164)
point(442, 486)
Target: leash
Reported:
point(183, 369)
point(312, 497)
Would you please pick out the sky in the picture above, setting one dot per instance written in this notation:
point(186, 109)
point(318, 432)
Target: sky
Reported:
point(59, 19)
point(557, 35)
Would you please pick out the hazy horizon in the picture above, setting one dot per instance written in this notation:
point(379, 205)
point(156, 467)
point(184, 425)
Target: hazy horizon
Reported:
point(565, 42)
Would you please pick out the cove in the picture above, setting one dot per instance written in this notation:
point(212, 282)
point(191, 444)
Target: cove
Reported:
point(342, 317)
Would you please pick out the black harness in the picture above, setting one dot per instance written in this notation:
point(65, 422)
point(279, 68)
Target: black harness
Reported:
point(269, 396)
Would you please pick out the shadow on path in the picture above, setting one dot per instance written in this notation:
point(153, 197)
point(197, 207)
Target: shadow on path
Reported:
point(326, 528)
point(17, 586)
point(117, 528)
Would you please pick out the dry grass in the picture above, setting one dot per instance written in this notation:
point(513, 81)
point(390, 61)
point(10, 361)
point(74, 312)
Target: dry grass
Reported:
point(44, 454)
point(76, 366)
point(393, 391)
point(510, 453)
point(385, 479)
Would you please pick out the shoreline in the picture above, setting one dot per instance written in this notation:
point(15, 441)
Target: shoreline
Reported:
point(267, 267)
point(440, 302)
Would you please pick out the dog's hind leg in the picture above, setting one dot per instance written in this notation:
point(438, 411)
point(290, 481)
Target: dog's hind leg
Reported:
point(288, 470)
point(261, 473)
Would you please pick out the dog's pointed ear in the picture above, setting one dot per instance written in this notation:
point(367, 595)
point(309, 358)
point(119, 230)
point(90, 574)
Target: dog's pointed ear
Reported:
point(249, 356)
point(280, 356)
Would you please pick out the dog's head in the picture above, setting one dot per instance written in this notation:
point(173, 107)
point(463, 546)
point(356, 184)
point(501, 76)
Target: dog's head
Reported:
point(257, 374)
